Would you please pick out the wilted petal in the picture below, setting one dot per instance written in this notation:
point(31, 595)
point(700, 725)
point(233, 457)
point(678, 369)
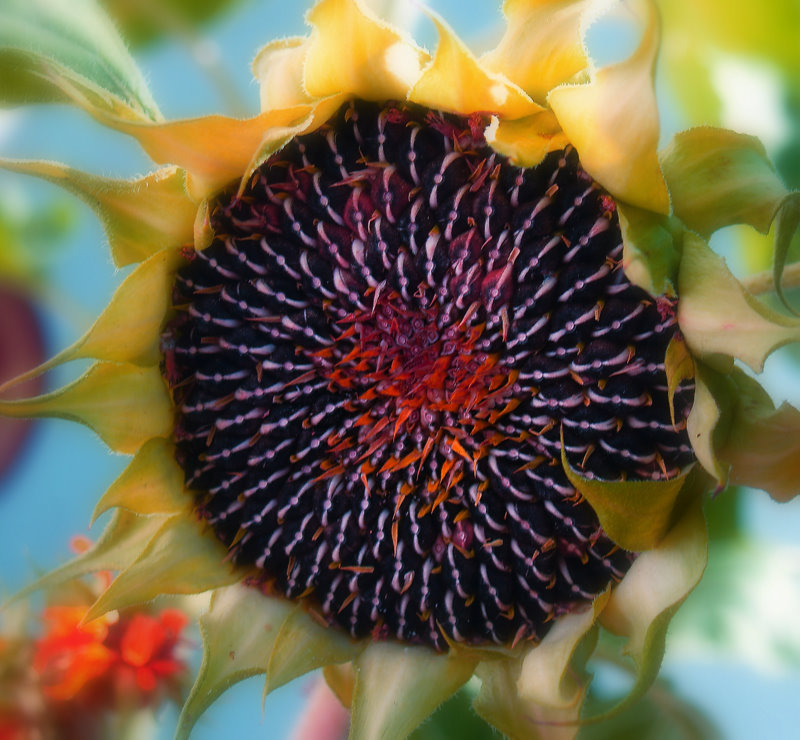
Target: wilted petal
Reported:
point(613, 122)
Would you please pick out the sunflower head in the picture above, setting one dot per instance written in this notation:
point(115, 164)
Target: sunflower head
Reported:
point(426, 367)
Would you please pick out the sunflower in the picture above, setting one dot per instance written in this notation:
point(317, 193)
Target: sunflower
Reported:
point(426, 368)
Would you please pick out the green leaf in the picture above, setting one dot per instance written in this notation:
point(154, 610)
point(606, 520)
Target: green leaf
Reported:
point(60, 50)
point(398, 686)
point(239, 632)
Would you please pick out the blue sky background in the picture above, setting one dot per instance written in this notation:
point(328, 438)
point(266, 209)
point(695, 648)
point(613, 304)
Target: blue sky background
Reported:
point(49, 496)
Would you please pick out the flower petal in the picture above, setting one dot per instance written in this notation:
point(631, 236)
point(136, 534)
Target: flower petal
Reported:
point(651, 249)
point(613, 122)
point(122, 541)
point(718, 316)
point(634, 514)
point(399, 686)
point(456, 81)
point(151, 484)
point(303, 645)
point(123, 404)
point(239, 631)
point(499, 704)
point(180, 559)
point(548, 676)
point(216, 150)
point(678, 366)
point(129, 329)
point(526, 141)
point(542, 45)
point(704, 425)
point(642, 604)
point(763, 444)
point(378, 62)
point(140, 217)
point(278, 67)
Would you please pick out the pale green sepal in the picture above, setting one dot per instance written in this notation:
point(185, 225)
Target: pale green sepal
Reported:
point(122, 541)
point(151, 484)
point(549, 675)
point(123, 404)
point(718, 178)
point(634, 514)
point(718, 316)
point(399, 686)
point(651, 249)
point(180, 559)
point(46, 44)
point(787, 222)
point(239, 632)
point(140, 216)
point(500, 705)
point(763, 444)
point(129, 329)
point(302, 645)
point(703, 425)
point(659, 580)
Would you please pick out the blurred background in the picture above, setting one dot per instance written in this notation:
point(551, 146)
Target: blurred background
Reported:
point(733, 659)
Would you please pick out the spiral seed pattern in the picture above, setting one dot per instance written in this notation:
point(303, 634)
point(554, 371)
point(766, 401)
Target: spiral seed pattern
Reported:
point(374, 364)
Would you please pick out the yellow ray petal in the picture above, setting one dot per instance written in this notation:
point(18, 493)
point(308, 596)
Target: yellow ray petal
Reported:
point(548, 676)
point(123, 404)
point(151, 484)
point(635, 514)
point(542, 45)
point(704, 425)
point(140, 217)
point(122, 541)
point(216, 150)
point(398, 686)
point(129, 329)
point(613, 122)
point(526, 141)
point(179, 559)
point(678, 366)
point(455, 81)
point(239, 632)
point(659, 580)
point(303, 645)
point(377, 62)
point(717, 315)
point(278, 67)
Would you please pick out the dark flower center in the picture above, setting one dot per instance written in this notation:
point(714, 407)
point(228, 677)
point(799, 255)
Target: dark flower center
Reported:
point(374, 363)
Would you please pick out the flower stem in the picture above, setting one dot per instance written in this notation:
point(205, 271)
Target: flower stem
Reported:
point(761, 282)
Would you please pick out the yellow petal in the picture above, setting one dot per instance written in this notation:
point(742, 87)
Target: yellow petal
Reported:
point(353, 52)
point(717, 315)
point(642, 605)
point(129, 329)
point(122, 541)
point(140, 217)
point(542, 45)
point(613, 122)
point(398, 686)
point(526, 141)
point(151, 484)
point(678, 366)
point(123, 404)
point(341, 680)
point(703, 425)
point(302, 645)
point(548, 677)
point(634, 514)
point(456, 81)
point(239, 632)
point(216, 150)
point(278, 67)
point(180, 559)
